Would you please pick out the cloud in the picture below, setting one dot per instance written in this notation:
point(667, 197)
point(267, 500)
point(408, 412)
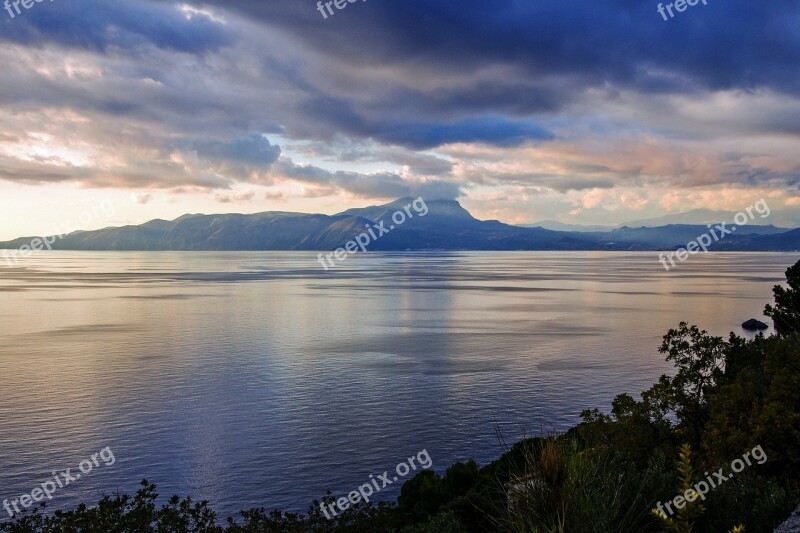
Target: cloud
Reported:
point(142, 198)
point(718, 46)
point(488, 130)
point(254, 150)
point(239, 159)
point(240, 197)
point(420, 163)
point(104, 26)
point(376, 185)
point(276, 196)
point(559, 100)
point(493, 130)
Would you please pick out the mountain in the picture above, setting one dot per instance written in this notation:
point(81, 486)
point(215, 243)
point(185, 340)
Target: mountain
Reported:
point(668, 237)
point(704, 217)
point(435, 225)
point(789, 241)
point(445, 226)
point(696, 217)
point(443, 213)
point(555, 225)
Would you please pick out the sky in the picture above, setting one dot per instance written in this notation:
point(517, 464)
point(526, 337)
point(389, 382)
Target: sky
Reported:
point(585, 112)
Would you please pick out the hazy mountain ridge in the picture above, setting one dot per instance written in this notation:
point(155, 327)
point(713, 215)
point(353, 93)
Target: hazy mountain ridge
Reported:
point(676, 235)
point(555, 225)
point(785, 219)
point(446, 226)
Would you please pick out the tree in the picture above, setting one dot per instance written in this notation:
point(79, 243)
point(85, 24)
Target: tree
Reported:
point(786, 313)
point(699, 359)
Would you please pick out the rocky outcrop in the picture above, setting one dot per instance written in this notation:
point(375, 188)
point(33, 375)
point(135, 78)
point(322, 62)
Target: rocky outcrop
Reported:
point(754, 325)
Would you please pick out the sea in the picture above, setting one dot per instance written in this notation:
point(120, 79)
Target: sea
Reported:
point(259, 379)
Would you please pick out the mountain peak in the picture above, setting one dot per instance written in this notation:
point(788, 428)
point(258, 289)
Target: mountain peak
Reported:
point(440, 210)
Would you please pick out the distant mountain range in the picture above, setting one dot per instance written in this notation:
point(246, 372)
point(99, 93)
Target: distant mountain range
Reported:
point(446, 226)
point(695, 217)
point(783, 219)
point(555, 225)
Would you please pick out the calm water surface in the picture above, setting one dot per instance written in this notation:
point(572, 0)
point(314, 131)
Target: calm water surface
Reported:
point(257, 379)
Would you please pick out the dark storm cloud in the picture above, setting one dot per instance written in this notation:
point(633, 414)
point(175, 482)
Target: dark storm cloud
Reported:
point(493, 130)
point(490, 130)
point(725, 44)
point(255, 150)
point(508, 96)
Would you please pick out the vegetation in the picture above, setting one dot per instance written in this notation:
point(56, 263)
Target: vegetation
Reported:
point(684, 521)
point(725, 397)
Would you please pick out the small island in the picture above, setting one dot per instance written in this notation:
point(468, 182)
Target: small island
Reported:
point(754, 325)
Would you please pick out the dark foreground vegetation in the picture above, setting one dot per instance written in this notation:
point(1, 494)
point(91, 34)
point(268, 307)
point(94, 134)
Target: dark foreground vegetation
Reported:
point(726, 397)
